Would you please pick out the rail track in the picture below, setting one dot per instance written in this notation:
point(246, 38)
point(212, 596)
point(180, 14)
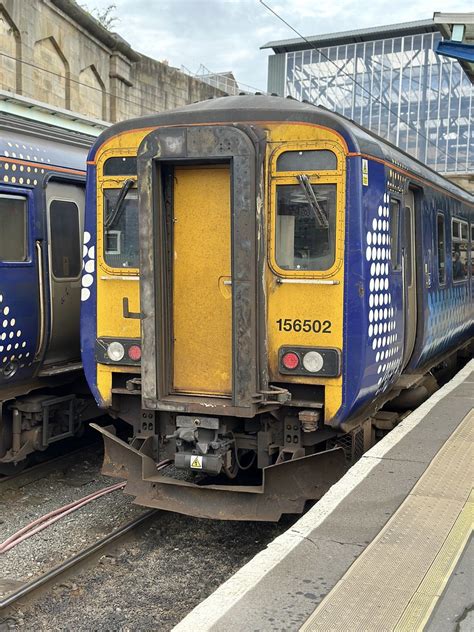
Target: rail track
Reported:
point(88, 552)
point(34, 472)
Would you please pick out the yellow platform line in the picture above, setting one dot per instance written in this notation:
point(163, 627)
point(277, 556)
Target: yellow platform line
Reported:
point(395, 583)
point(421, 605)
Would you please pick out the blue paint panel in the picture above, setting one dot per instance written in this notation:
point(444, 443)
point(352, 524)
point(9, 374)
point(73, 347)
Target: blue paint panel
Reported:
point(26, 164)
point(373, 316)
point(19, 303)
point(447, 310)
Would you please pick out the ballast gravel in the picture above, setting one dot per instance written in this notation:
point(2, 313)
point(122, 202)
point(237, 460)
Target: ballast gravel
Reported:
point(21, 504)
point(148, 581)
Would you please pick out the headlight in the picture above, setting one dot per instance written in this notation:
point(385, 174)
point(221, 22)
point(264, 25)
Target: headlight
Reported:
point(313, 361)
point(115, 351)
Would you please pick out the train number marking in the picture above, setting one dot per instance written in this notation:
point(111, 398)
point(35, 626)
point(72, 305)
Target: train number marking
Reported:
point(307, 325)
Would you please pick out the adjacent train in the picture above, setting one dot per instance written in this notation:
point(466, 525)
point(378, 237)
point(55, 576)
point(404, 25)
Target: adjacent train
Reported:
point(43, 393)
point(261, 277)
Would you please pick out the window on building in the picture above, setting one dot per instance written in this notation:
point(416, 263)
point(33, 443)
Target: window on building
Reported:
point(65, 239)
point(121, 229)
point(307, 160)
point(395, 65)
point(459, 249)
point(441, 247)
point(395, 233)
point(306, 225)
point(13, 231)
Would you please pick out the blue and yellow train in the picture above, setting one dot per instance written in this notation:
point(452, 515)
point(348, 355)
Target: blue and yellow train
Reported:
point(261, 277)
point(43, 394)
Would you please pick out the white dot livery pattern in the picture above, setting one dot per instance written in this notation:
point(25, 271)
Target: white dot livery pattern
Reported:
point(381, 314)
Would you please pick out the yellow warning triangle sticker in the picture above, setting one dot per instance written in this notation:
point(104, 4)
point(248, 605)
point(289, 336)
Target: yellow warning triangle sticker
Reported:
point(196, 463)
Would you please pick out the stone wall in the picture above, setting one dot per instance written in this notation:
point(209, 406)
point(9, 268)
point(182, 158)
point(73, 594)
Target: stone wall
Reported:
point(54, 51)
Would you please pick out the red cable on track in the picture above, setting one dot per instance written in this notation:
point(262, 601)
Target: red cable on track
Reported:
point(53, 516)
point(50, 518)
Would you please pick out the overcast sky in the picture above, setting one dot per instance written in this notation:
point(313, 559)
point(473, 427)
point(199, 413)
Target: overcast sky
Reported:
point(227, 34)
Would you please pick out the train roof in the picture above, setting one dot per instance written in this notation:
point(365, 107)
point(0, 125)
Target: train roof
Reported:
point(264, 108)
point(41, 143)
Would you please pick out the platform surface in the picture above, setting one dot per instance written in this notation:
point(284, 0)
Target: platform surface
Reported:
point(387, 548)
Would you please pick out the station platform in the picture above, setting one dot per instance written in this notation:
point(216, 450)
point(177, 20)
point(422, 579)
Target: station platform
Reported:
point(388, 548)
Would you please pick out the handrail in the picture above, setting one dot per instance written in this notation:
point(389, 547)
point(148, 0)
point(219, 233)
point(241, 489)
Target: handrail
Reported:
point(39, 253)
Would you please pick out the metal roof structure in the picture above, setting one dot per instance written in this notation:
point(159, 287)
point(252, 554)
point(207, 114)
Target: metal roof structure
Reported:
point(47, 120)
point(352, 37)
point(458, 32)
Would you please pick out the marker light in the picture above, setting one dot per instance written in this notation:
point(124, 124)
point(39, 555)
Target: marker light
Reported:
point(313, 361)
point(290, 360)
point(115, 351)
point(134, 353)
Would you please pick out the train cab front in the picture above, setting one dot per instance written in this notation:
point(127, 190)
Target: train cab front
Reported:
point(229, 370)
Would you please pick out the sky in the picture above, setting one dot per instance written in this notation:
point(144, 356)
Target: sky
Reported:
point(226, 35)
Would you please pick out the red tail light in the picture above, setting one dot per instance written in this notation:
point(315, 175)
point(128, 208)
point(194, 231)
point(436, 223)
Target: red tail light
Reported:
point(134, 353)
point(290, 360)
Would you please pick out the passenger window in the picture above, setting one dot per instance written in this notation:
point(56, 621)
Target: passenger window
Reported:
point(306, 225)
point(459, 249)
point(307, 160)
point(121, 229)
point(394, 233)
point(13, 232)
point(65, 239)
point(441, 247)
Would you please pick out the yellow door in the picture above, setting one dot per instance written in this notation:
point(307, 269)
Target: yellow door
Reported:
point(202, 298)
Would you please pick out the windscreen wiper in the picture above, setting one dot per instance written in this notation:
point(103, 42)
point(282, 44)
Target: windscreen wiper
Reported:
point(319, 214)
point(126, 186)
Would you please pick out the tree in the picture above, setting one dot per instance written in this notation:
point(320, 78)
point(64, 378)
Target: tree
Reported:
point(105, 16)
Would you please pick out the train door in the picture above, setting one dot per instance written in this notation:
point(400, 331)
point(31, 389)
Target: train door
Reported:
point(20, 280)
point(409, 274)
point(65, 213)
point(201, 285)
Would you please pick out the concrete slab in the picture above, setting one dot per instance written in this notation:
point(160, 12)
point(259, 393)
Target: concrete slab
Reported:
point(361, 515)
point(286, 598)
point(451, 613)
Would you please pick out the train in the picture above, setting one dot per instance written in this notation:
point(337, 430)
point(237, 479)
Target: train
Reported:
point(265, 284)
point(43, 394)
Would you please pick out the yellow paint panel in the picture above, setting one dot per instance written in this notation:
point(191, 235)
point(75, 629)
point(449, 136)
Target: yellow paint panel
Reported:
point(320, 298)
point(110, 319)
point(114, 284)
point(202, 300)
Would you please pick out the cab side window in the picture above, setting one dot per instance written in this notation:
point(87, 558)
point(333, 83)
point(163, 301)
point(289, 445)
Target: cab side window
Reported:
point(305, 209)
point(13, 231)
point(306, 226)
